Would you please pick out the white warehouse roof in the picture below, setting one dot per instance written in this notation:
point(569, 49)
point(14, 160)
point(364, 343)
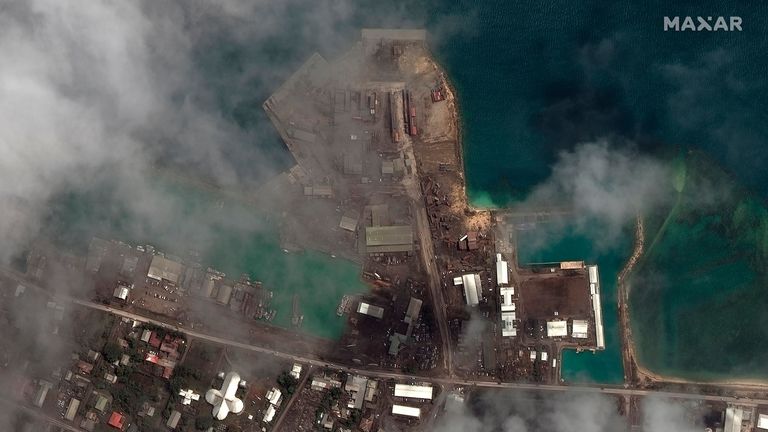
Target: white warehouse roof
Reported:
point(163, 268)
point(762, 421)
point(557, 328)
point(406, 411)
point(367, 309)
point(580, 329)
point(413, 391)
point(502, 271)
point(472, 288)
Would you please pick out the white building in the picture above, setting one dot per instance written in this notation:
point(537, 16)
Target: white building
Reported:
point(506, 293)
point(502, 271)
point(269, 414)
point(296, 370)
point(370, 310)
point(163, 268)
point(557, 328)
point(274, 396)
point(224, 400)
point(762, 421)
point(413, 391)
point(406, 411)
point(472, 289)
point(580, 329)
point(508, 324)
point(188, 396)
point(121, 292)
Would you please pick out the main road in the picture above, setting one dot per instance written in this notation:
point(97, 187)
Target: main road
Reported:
point(446, 381)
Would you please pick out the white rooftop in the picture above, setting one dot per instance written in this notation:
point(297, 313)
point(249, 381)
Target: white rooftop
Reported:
point(580, 329)
point(413, 391)
point(406, 411)
point(224, 400)
point(762, 421)
point(506, 294)
point(502, 271)
point(557, 328)
point(471, 288)
point(370, 310)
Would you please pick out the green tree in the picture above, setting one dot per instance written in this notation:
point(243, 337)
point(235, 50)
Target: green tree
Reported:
point(112, 352)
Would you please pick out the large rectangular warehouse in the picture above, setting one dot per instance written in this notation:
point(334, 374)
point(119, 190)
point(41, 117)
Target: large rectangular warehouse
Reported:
point(371, 310)
point(413, 391)
point(163, 268)
point(395, 238)
point(406, 411)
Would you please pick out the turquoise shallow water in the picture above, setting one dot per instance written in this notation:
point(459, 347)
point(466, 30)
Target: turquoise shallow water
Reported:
point(251, 245)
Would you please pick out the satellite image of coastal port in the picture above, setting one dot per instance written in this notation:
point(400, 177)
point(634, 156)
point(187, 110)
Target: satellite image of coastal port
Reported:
point(383, 216)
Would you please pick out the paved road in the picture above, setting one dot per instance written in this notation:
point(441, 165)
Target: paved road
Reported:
point(433, 275)
point(446, 381)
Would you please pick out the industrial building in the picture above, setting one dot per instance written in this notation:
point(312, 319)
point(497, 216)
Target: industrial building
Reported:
point(472, 288)
point(173, 419)
point(121, 292)
point(163, 268)
point(74, 404)
point(224, 295)
point(502, 271)
point(580, 329)
point(508, 328)
point(389, 239)
point(594, 290)
point(733, 418)
point(557, 328)
point(412, 314)
point(413, 391)
point(370, 310)
point(406, 411)
point(224, 400)
point(762, 421)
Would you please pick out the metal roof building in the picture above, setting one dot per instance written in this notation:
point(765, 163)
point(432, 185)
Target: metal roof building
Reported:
point(74, 404)
point(121, 292)
point(163, 268)
point(472, 288)
point(733, 418)
point(557, 328)
point(370, 310)
point(394, 238)
point(502, 271)
point(173, 419)
point(414, 308)
point(269, 414)
point(580, 329)
point(413, 391)
point(762, 421)
point(224, 295)
point(406, 411)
